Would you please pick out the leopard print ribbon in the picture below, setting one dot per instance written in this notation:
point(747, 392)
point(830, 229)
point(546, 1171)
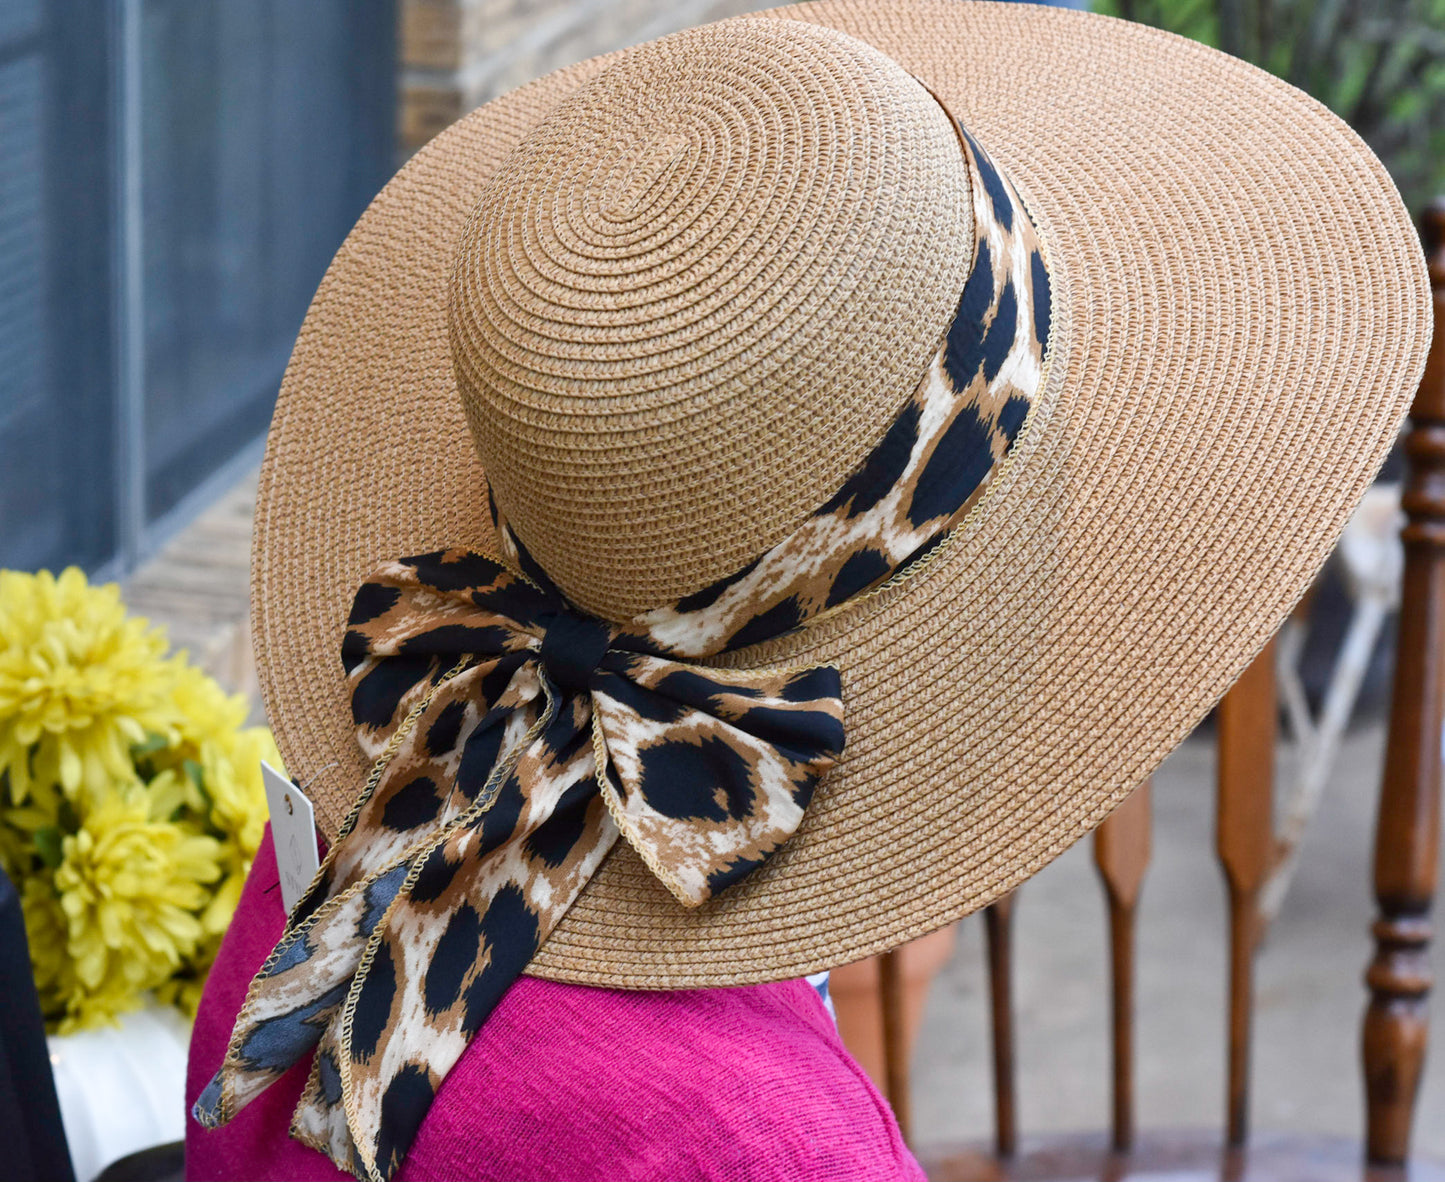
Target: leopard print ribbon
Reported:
point(515, 738)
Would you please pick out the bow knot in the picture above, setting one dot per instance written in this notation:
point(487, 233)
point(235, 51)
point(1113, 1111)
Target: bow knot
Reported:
point(572, 648)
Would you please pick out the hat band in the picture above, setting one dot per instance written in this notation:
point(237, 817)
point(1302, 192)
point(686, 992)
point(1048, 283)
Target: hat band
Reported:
point(920, 480)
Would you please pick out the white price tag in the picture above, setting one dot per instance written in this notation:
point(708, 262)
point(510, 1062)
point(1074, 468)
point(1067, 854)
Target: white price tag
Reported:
point(293, 829)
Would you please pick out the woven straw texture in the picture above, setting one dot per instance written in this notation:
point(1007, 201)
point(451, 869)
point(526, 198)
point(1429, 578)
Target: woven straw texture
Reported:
point(1240, 319)
point(708, 256)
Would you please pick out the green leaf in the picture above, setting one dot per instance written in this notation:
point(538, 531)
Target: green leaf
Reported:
point(198, 778)
point(49, 843)
point(151, 744)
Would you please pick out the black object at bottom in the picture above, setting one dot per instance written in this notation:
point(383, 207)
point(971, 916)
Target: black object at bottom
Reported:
point(159, 1163)
point(30, 1128)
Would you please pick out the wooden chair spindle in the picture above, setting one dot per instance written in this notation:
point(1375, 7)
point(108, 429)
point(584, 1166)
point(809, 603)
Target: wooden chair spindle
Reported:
point(895, 1042)
point(1247, 722)
point(1408, 833)
point(1121, 852)
point(998, 922)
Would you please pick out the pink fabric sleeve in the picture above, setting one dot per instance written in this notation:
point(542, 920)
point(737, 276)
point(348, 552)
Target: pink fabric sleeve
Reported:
point(566, 1083)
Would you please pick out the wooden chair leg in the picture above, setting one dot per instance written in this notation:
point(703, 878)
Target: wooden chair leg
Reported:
point(1247, 725)
point(1408, 832)
point(1121, 852)
point(998, 920)
point(895, 1041)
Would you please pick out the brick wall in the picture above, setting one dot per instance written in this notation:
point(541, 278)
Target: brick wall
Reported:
point(457, 54)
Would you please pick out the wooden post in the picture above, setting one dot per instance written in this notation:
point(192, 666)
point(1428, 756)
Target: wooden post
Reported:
point(998, 920)
point(1121, 852)
point(1407, 833)
point(1247, 723)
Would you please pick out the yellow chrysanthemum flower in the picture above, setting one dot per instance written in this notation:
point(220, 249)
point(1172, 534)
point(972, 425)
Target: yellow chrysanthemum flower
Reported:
point(206, 710)
point(130, 886)
point(231, 767)
point(80, 683)
point(184, 989)
point(47, 934)
point(135, 803)
point(215, 773)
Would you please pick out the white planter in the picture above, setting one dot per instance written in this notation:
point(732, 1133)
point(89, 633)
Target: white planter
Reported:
point(121, 1088)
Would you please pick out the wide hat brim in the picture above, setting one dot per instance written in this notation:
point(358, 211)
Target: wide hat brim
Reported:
point(1240, 319)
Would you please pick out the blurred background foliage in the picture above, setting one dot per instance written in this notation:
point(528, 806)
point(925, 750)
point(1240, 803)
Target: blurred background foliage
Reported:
point(1379, 64)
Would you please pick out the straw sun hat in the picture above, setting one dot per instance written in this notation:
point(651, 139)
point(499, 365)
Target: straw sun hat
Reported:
point(704, 276)
point(651, 330)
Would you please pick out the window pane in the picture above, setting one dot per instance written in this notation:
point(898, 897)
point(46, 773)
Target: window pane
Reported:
point(255, 164)
point(56, 402)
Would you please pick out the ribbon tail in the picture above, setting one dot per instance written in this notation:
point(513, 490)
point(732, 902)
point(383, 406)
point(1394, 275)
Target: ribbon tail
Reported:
point(295, 995)
point(306, 978)
point(474, 911)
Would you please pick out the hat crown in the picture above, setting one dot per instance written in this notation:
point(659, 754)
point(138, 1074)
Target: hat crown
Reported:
point(694, 297)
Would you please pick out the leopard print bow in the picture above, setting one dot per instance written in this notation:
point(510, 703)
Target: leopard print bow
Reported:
point(513, 742)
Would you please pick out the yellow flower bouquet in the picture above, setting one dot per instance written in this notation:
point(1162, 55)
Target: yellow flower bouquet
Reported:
point(131, 802)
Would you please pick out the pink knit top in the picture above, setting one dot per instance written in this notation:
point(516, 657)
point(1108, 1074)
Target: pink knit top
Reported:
point(577, 1084)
